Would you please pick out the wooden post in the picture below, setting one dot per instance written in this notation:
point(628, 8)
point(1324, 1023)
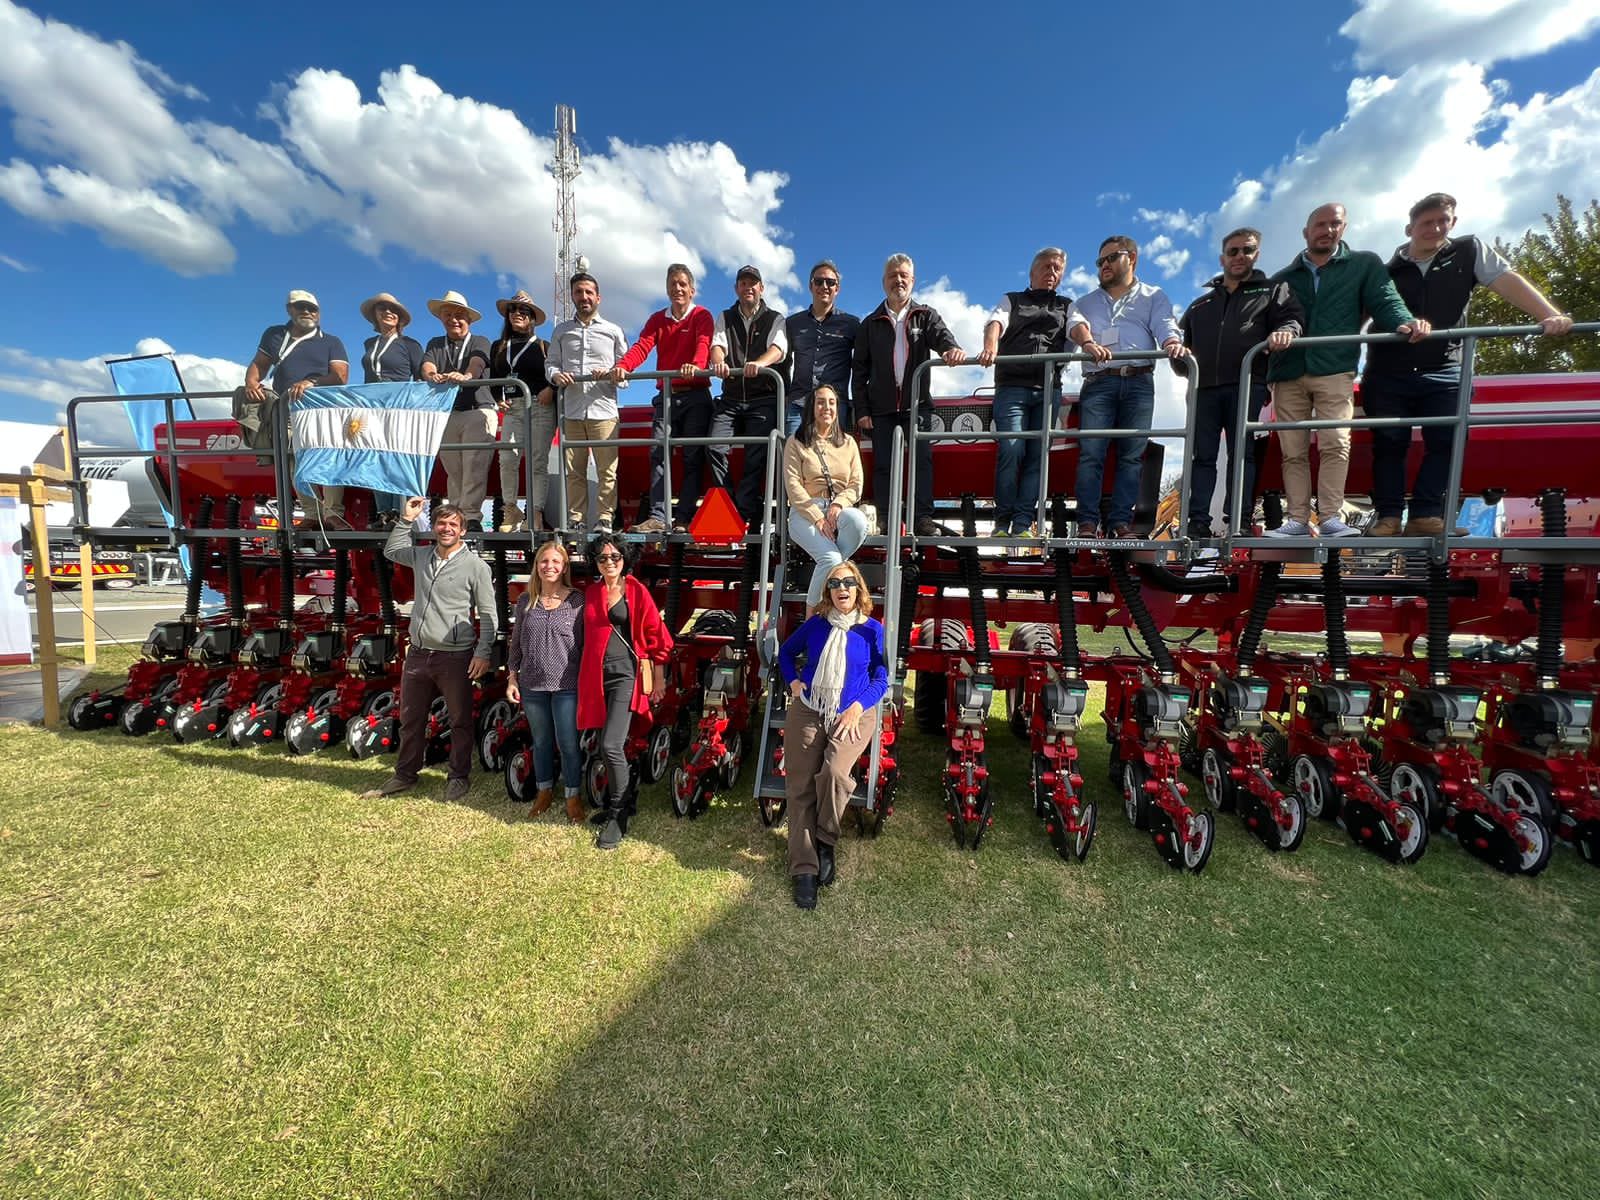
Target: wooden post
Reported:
point(85, 564)
point(44, 601)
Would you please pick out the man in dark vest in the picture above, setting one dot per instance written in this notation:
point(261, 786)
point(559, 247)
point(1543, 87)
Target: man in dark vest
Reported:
point(1028, 322)
point(1239, 308)
point(1435, 275)
point(746, 338)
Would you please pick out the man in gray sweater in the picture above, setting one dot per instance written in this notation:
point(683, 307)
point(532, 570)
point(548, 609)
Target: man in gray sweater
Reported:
point(446, 653)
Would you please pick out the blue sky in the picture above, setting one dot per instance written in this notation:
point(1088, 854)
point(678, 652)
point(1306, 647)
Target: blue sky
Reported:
point(164, 179)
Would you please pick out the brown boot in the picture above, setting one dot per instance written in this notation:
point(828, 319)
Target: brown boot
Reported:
point(577, 811)
point(542, 801)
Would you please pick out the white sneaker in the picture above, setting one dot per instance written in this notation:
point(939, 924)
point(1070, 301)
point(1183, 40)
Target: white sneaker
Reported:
point(1333, 527)
point(1291, 529)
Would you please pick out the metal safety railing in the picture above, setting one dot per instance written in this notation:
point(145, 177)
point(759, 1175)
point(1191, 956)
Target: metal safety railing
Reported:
point(1461, 422)
point(666, 439)
point(176, 454)
point(1047, 435)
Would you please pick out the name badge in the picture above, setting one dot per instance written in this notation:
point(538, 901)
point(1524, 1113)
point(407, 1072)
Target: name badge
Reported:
point(1110, 337)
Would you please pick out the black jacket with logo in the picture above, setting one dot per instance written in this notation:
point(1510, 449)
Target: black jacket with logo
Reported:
point(1221, 325)
point(876, 390)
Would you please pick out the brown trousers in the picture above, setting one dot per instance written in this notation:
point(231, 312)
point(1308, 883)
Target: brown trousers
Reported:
point(426, 674)
point(1315, 398)
point(819, 776)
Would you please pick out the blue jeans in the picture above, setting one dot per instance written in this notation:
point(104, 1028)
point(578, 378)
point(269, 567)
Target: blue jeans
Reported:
point(827, 553)
point(1433, 395)
point(1016, 499)
point(1216, 417)
point(553, 719)
point(1109, 401)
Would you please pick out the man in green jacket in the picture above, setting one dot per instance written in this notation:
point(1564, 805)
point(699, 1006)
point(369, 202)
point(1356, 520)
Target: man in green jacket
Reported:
point(1339, 288)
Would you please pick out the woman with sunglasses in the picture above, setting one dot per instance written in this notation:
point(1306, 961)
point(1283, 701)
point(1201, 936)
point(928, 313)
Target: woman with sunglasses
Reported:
point(823, 477)
point(546, 642)
point(389, 356)
point(833, 714)
point(622, 672)
point(517, 353)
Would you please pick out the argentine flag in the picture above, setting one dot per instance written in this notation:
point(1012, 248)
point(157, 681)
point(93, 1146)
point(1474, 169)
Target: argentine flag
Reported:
point(382, 436)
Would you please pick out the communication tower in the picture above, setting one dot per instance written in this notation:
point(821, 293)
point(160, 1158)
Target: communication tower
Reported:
point(566, 218)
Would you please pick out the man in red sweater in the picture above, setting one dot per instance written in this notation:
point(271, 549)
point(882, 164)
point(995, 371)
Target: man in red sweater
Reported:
point(680, 334)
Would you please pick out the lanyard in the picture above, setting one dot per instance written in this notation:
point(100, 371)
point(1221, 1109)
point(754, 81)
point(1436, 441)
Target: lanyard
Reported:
point(379, 351)
point(512, 360)
point(290, 342)
point(461, 355)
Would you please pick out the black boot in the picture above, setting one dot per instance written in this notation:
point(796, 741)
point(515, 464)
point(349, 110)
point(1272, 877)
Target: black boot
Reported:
point(826, 868)
point(805, 891)
point(611, 833)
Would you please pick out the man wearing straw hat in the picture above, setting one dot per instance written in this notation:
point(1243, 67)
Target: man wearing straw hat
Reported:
point(300, 356)
point(461, 356)
point(389, 356)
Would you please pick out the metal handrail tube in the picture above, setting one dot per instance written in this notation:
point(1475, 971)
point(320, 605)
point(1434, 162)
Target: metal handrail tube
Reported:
point(1047, 435)
point(891, 603)
point(1462, 420)
point(667, 440)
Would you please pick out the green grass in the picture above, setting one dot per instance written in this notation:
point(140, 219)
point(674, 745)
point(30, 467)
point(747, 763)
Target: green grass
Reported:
point(222, 975)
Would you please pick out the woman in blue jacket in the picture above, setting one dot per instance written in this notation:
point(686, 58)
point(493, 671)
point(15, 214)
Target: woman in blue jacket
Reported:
point(833, 712)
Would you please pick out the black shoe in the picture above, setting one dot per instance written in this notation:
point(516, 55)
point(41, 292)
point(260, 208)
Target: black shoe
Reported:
point(474, 526)
point(1200, 529)
point(827, 869)
point(927, 527)
point(611, 835)
point(805, 891)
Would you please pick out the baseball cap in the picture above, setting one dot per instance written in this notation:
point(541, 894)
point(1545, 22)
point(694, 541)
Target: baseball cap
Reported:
point(747, 269)
point(299, 296)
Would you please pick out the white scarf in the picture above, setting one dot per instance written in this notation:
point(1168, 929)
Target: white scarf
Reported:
point(827, 681)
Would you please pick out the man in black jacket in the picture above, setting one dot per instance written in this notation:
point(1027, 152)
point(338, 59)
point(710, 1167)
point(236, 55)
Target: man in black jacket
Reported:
point(896, 338)
point(1435, 275)
point(1241, 308)
point(746, 338)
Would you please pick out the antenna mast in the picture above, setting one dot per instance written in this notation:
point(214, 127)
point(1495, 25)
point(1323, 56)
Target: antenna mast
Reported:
point(566, 218)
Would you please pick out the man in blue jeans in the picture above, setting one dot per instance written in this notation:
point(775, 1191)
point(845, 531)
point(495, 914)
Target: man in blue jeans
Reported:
point(1121, 314)
point(1239, 308)
point(1027, 322)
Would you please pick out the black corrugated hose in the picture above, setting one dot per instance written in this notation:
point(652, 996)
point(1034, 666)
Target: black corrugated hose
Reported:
point(1134, 599)
point(1552, 585)
point(1333, 606)
point(1256, 623)
point(674, 586)
point(235, 566)
point(341, 585)
point(747, 591)
point(383, 570)
point(200, 550)
point(1439, 620)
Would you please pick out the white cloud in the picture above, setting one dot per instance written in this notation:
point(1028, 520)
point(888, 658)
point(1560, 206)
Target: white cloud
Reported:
point(1080, 280)
point(1105, 198)
point(37, 383)
point(16, 264)
point(1160, 251)
point(447, 178)
point(1407, 33)
point(966, 320)
point(1173, 221)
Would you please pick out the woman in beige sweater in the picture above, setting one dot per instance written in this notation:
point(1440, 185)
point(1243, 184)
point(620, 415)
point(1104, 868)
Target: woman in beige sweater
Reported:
point(822, 472)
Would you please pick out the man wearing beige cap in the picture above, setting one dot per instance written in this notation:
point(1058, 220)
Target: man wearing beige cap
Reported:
point(459, 357)
point(300, 356)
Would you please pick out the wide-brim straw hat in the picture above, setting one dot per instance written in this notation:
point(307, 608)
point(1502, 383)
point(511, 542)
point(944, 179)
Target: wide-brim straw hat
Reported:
point(368, 309)
point(521, 297)
point(453, 300)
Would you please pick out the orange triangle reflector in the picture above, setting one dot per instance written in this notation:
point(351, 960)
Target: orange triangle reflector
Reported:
point(718, 519)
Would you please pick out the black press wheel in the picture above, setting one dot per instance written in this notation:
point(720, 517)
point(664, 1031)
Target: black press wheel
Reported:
point(773, 808)
point(1534, 844)
point(1525, 792)
point(1135, 800)
point(518, 770)
point(1290, 819)
point(493, 723)
point(732, 761)
point(1221, 790)
point(684, 789)
point(1411, 831)
point(1418, 788)
point(1197, 839)
point(657, 754)
point(1312, 779)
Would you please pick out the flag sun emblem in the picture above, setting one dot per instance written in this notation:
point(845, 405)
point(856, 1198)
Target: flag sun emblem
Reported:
point(352, 427)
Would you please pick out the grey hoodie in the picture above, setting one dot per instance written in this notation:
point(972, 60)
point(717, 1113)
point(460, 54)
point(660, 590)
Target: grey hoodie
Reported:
point(445, 593)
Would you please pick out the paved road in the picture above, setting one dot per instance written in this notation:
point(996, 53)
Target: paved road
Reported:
point(122, 616)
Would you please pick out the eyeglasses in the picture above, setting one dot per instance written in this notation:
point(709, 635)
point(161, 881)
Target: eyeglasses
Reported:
point(821, 282)
point(607, 558)
point(842, 585)
point(1109, 258)
point(1236, 251)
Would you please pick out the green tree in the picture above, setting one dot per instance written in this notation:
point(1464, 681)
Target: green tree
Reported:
point(1564, 264)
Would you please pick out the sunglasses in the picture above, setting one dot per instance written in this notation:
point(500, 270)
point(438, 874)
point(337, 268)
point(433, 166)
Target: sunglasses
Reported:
point(302, 307)
point(1236, 251)
point(821, 282)
point(517, 310)
point(1110, 258)
point(842, 585)
point(607, 558)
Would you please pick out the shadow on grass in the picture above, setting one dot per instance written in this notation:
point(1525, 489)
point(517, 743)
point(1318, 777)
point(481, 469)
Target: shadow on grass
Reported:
point(951, 1024)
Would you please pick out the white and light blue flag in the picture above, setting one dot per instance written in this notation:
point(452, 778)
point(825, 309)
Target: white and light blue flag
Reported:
point(382, 436)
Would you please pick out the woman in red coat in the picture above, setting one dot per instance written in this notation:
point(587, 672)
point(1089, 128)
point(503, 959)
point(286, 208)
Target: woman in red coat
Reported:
point(625, 649)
